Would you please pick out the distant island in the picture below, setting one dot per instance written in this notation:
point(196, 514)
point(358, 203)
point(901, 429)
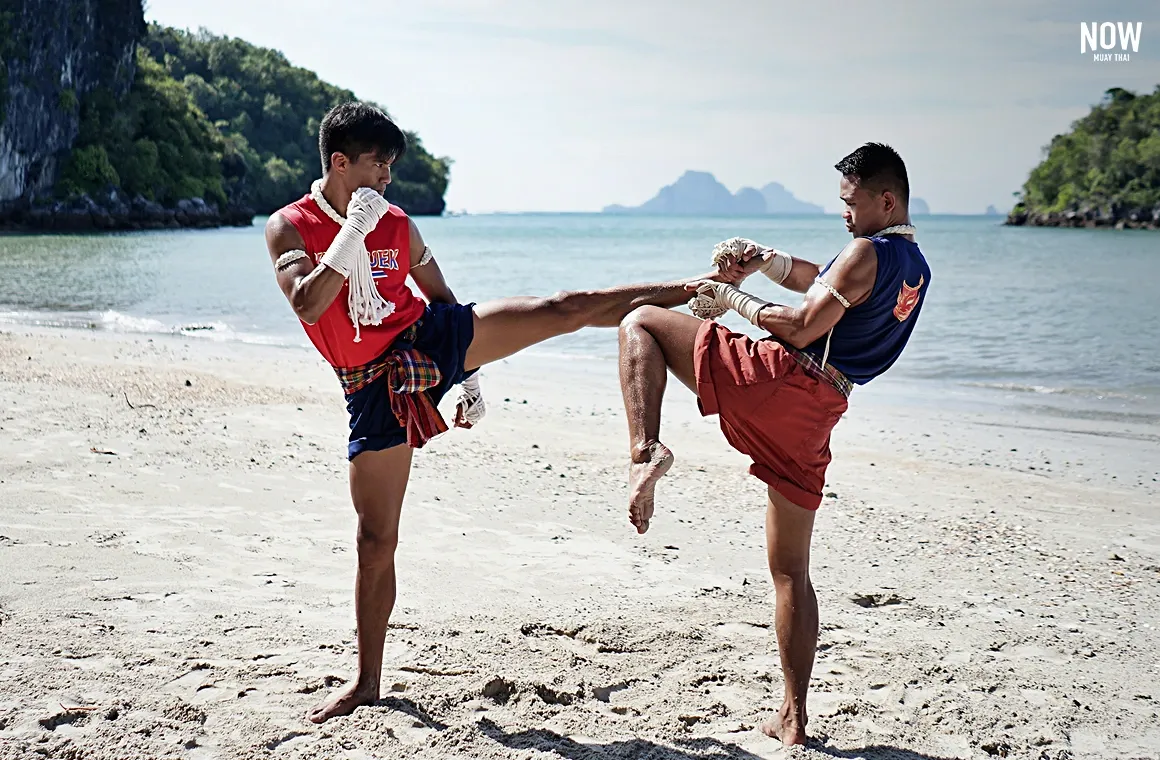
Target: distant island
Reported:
point(109, 123)
point(991, 211)
point(1105, 172)
point(697, 192)
point(918, 207)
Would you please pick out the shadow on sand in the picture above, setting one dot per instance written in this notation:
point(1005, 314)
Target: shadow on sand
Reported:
point(705, 748)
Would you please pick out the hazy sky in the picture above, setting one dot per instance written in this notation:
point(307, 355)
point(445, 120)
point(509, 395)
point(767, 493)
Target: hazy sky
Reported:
point(555, 105)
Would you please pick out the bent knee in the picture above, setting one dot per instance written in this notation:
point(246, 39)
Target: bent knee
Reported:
point(640, 318)
point(376, 546)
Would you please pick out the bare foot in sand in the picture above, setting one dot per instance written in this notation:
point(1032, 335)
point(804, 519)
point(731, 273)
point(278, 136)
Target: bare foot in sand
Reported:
point(344, 702)
point(648, 466)
point(785, 727)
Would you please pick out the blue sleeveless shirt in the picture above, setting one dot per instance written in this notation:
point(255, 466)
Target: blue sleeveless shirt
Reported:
point(870, 336)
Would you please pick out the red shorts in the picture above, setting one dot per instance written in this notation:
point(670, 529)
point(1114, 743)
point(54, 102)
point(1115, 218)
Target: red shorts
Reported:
point(772, 409)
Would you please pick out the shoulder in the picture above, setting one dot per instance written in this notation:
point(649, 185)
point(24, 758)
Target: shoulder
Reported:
point(412, 231)
point(282, 234)
point(860, 251)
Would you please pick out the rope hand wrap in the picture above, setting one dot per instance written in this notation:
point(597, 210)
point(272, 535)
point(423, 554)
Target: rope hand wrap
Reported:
point(469, 407)
point(704, 305)
point(777, 267)
point(348, 256)
point(725, 297)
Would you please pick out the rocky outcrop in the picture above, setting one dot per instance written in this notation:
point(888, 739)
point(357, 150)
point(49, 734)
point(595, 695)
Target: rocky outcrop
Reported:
point(697, 193)
point(1114, 217)
point(55, 53)
point(115, 211)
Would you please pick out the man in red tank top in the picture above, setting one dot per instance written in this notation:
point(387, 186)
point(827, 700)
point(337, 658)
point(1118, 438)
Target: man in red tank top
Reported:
point(342, 255)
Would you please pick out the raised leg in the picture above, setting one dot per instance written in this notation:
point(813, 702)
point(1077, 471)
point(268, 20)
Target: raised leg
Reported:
point(378, 482)
point(788, 533)
point(509, 325)
point(652, 340)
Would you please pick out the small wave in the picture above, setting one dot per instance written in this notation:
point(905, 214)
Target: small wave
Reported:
point(118, 322)
point(1049, 390)
point(82, 321)
point(115, 321)
point(218, 332)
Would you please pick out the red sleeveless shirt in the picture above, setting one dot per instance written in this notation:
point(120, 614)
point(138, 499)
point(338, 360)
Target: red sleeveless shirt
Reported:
point(389, 247)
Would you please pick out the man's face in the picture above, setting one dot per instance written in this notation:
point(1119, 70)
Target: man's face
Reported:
point(368, 170)
point(865, 211)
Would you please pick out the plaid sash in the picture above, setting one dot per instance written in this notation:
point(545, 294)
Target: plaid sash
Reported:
point(827, 374)
point(409, 374)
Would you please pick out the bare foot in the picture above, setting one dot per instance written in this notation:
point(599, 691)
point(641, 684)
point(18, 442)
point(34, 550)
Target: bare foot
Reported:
point(649, 466)
point(344, 702)
point(785, 727)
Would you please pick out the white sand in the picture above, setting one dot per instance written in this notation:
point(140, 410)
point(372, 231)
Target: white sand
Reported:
point(190, 594)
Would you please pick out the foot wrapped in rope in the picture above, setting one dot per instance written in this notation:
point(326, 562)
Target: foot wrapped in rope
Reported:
point(469, 408)
point(705, 306)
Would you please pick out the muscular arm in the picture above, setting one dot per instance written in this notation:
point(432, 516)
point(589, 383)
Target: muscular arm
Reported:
point(852, 275)
point(310, 289)
point(801, 275)
point(428, 277)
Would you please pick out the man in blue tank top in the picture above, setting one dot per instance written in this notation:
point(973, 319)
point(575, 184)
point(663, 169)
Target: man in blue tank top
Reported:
point(778, 398)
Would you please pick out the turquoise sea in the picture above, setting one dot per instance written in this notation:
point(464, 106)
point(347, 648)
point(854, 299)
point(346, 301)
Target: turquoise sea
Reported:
point(1064, 318)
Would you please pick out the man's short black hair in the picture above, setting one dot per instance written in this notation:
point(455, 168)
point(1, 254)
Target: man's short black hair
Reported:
point(353, 129)
point(877, 167)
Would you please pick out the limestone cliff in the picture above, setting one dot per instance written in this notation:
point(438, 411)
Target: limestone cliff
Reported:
point(53, 53)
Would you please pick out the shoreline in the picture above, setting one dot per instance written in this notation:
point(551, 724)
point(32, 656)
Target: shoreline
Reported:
point(986, 580)
point(1129, 406)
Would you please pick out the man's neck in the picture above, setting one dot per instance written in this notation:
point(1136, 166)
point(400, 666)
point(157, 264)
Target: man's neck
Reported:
point(335, 195)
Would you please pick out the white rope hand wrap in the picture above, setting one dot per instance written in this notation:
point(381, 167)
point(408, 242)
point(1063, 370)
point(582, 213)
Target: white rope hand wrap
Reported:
point(348, 256)
point(704, 305)
point(726, 297)
point(778, 266)
point(469, 407)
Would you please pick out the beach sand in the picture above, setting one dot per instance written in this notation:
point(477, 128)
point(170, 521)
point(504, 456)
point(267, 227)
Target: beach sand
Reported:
point(177, 563)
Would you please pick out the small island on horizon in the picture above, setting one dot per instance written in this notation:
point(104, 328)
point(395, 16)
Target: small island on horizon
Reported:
point(699, 193)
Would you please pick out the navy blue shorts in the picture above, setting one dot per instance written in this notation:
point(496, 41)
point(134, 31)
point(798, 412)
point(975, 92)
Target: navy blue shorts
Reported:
point(443, 333)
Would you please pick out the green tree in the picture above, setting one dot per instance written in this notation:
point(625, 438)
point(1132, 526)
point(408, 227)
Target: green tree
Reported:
point(268, 111)
point(1109, 160)
point(221, 119)
point(156, 142)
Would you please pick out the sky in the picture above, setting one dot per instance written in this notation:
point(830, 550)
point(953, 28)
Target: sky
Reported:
point(556, 105)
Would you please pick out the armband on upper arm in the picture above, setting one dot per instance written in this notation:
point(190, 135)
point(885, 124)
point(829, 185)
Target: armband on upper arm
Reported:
point(289, 259)
point(833, 291)
point(427, 257)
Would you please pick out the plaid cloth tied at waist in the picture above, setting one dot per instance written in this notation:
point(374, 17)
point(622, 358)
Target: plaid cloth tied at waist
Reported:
point(409, 375)
point(828, 374)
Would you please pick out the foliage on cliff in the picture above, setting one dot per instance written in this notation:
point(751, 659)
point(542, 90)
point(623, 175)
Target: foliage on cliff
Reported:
point(1108, 164)
point(219, 118)
point(155, 142)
